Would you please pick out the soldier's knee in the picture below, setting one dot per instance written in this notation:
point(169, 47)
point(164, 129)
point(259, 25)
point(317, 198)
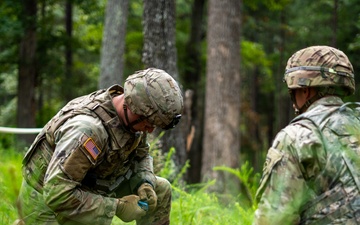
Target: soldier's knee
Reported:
point(163, 187)
point(163, 183)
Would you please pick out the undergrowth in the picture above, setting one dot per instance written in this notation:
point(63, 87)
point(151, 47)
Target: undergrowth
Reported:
point(191, 204)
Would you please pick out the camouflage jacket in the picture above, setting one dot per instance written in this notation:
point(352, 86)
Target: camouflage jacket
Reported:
point(82, 156)
point(311, 173)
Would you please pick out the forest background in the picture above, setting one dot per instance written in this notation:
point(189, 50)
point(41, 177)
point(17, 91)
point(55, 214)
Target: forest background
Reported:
point(229, 57)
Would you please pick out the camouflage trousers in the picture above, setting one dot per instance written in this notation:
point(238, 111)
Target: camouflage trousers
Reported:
point(33, 211)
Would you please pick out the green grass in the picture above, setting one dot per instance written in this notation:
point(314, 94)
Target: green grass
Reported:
point(191, 205)
point(10, 181)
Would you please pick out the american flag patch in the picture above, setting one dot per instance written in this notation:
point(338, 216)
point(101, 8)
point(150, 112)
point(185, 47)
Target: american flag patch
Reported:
point(91, 147)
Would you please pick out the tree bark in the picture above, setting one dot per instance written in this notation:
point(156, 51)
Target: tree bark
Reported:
point(160, 52)
point(222, 103)
point(282, 102)
point(334, 24)
point(67, 93)
point(159, 36)
point(192, 79)
point(26, 104)
point(113, 44)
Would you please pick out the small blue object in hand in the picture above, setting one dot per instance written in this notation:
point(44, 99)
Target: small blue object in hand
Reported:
point(143, 205)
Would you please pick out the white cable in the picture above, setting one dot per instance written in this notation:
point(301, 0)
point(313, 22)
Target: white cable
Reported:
point(20, 130)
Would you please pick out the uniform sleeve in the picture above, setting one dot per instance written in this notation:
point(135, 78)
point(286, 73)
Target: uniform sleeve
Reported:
point(78, 148)
point(283, 187)
point(144, 171)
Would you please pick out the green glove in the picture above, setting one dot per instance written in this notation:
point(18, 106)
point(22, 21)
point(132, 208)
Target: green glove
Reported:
point(147, 194)
point(128, 208)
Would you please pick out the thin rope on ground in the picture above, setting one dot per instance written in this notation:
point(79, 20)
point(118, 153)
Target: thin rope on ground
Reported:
point(20, 130)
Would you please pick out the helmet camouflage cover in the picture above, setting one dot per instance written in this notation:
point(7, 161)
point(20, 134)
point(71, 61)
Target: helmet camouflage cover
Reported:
point(320, 66)
point(154, 94)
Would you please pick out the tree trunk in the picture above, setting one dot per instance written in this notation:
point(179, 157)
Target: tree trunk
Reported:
point(254, 123)
point(281, 99)
point(160, 52)
point(67, 93)
point(26, 105)
point(159, 36)
point(222, 107)
point(192, 79)
point(334, 24)
point(113, 44)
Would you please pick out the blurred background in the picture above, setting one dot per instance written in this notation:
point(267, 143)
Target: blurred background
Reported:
point(229, 57)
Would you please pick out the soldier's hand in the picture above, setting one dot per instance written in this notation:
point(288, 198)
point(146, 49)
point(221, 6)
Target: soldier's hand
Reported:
point(128, 208)
point(147, 194)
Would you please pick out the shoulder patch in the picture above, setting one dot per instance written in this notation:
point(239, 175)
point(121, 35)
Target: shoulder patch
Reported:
point(92, 148)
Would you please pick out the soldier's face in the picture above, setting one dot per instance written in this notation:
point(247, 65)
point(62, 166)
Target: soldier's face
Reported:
point(299, 98)
point(144, 126)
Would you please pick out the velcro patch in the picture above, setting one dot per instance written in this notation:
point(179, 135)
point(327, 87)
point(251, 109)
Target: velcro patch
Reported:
point(91, 147)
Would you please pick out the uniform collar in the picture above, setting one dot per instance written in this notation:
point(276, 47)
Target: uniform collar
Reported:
point(327, 101)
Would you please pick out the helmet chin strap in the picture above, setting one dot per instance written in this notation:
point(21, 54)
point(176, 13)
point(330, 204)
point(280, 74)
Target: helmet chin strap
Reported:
point(302, 109)
point(130, 126)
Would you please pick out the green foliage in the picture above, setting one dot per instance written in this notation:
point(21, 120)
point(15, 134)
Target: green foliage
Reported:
point(193, 204)
point(10, 29)
point(255, 60)
point(52, 85)
point(190, 205)
point(10, 180)
point(200, 207)
point(134, 39)
point(164, 165)
point(133, 52)
point(274, 5)
point(246, 176)
point(8, 112)
point(169, 169)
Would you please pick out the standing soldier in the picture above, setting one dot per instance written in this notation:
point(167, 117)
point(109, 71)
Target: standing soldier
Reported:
point(312, 170)
point(91, 161)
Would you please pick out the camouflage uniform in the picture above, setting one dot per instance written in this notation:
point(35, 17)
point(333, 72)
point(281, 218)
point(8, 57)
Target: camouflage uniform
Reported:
point(83, 161)
point(312, 170)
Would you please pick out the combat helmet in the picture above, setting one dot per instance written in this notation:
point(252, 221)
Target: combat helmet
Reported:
point(153, 94)
point(321, 66)
point(325, 68)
